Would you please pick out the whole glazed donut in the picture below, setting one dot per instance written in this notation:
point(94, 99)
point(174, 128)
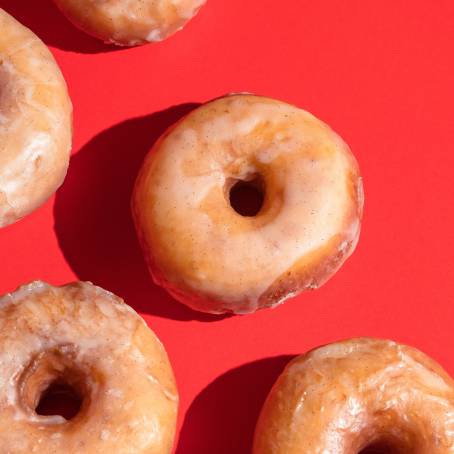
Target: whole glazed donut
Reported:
point(130, 22)
point(86, 338)
point(357, 396)
point(211, 257)
point(35, 122)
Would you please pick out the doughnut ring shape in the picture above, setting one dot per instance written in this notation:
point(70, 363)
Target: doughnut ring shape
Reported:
point(359, 395)
point(35, 122)
point(87, 338)
point(210, 257)
point(130, 22)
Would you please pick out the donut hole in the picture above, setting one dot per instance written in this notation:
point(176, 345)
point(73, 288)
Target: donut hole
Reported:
point(246, 197)
point(55, 384)
point(386, 447)
point(60, 399)
point(379, 448)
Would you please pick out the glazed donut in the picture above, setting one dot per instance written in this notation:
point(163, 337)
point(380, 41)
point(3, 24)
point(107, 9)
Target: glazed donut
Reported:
point(130, 22)
point(211, 257)
point(86, 338)
point(35, 122)
point(357, 396)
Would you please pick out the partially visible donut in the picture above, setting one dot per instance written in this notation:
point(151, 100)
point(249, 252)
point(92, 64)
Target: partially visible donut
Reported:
point(358, 396)
point(86, 338)
point(130, 22)
point(215, 259)
point(35, 122)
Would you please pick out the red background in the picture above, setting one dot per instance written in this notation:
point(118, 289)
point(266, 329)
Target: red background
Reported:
point(379, 72)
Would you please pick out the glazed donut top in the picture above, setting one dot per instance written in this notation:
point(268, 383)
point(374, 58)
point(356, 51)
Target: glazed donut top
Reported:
point(35, 121)
point(130, 22)
point(197, 244)
point(348, 396)
point(89, 339)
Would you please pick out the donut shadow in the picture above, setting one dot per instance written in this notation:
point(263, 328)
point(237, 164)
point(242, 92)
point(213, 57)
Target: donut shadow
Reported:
point(93, 223)
point(53, 27)
point(223, 416)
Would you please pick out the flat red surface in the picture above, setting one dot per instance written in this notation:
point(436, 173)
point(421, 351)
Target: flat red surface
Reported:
point(379, 72)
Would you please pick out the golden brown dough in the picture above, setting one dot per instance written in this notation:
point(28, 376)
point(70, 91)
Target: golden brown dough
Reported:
point(86, 338)
point(130, 22)
point(360, 394)
point(212, 258)
point(35, 122)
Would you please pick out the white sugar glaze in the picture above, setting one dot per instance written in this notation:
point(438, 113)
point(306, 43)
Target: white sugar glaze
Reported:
point(90, 339)
point(130, 22)
point(344, 397)
point(35, 122)
point(215, 260)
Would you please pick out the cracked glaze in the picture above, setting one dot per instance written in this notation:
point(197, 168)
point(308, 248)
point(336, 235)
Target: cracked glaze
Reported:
point(347, 396)
point(215, 260)
point(35, 122)
point(87, 337)
point(130, 22)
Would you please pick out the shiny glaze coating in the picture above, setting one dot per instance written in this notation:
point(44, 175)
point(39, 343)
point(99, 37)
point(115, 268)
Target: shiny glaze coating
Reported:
point(87, 338)
point(130, 22)
point(361, 393)
point(35, 122)
point(215, 260)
